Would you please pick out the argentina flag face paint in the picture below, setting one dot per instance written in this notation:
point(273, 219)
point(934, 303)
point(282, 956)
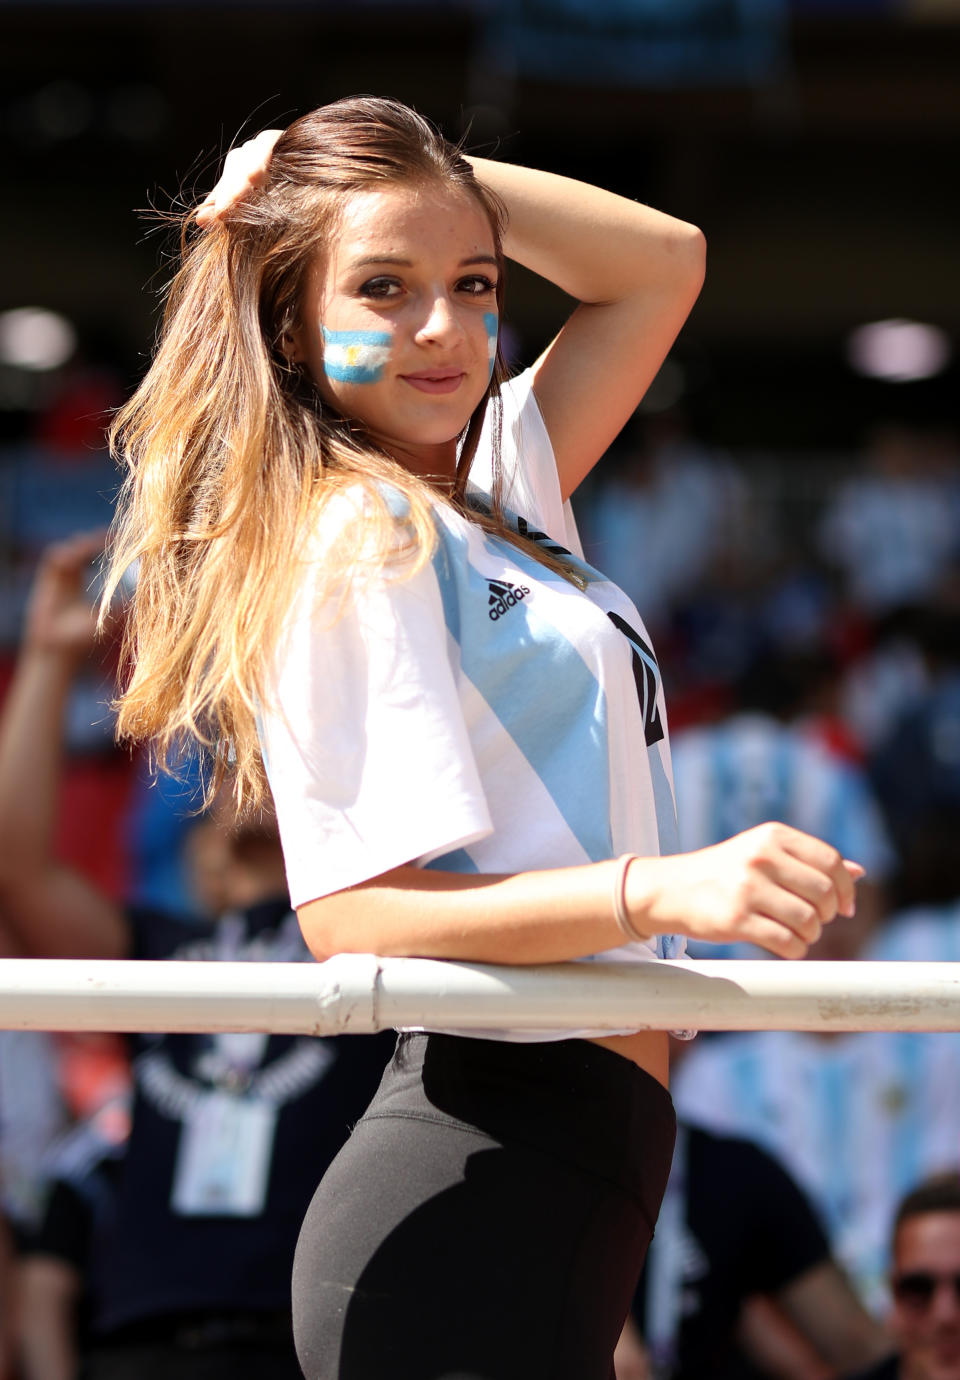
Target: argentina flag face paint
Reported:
point(355, 356)
point(491, 324)
point(398, 322)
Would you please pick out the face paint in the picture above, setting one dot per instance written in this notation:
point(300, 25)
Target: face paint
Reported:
point(492, 323)
point(355, 356)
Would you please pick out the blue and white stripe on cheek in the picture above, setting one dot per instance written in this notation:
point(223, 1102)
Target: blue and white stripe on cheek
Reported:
point(492, 324)
point(355, 356)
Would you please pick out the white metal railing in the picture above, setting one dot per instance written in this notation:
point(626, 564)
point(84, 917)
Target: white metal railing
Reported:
point(362, 993)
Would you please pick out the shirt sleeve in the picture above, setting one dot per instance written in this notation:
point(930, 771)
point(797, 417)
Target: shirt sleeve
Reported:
point(364, 739)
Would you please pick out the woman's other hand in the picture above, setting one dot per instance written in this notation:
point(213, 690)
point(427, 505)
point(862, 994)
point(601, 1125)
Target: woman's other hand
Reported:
point(60, 615)
point(244, 168)
point(773, 886)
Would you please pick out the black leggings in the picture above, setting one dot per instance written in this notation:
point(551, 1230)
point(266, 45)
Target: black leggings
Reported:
point(488, 1217)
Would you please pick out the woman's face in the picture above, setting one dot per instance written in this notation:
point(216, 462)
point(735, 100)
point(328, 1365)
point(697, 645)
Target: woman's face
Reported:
point(399, 319)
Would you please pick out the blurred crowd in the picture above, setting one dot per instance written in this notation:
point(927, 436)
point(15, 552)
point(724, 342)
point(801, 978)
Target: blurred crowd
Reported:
point(806, 618)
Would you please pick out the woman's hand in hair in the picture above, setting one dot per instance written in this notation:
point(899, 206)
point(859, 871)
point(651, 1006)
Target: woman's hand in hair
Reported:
point(774, 886)
point(244, 168)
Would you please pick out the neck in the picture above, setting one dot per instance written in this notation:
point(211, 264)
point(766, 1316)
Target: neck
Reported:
point(436, 464)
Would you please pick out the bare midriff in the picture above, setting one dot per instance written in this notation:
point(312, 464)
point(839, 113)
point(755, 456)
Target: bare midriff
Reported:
point(648, 1049)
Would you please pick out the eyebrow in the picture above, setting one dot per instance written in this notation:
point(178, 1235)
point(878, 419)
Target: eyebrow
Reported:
point(408, 263)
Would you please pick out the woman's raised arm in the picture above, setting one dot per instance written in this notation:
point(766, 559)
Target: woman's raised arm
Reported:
point(636, 274)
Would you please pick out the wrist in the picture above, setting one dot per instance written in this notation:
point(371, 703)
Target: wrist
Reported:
point(632, 919)
point(44, 674)
point(644, 894)
point(37, 652)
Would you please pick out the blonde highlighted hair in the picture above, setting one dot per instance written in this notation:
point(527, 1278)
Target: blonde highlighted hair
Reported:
point(230, 455)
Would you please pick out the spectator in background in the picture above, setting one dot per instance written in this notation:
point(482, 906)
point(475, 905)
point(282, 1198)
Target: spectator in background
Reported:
point(190, 1267)
point(856, 1119)
point(916, 769)
point(765, 763)
point(887, 679)
point(62, 1259)
point(739, 1280)
point(892, 529)
point(32, 1115)
point(925, 1286)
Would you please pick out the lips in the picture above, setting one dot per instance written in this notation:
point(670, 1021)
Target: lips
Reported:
point(435, 380)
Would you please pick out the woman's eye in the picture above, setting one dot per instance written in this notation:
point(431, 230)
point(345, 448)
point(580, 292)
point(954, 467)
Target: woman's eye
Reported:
point(477, 285)
point(380, 287)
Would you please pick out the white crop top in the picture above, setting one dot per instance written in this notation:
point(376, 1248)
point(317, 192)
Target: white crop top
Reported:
point(483, 715)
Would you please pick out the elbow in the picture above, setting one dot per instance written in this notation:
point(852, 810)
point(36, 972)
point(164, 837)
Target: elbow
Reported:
point(692, 254)
point(676, 269)
point(326, 931)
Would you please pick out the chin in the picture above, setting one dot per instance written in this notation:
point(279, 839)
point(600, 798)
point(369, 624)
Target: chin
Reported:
point(439, 432)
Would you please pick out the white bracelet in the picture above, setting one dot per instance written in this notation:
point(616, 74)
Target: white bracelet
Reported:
point(624, 923)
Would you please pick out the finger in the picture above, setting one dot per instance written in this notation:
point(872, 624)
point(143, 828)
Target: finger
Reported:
point(824, 858)
point(816, 888)
point(786, 907)
point(229, 190)
point(244, 168)
point(777, 939)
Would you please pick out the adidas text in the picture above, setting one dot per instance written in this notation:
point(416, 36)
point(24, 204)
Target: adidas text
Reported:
point(503, 596)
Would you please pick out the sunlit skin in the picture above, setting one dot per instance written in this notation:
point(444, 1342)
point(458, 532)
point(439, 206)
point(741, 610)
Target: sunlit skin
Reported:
point(929, 1337)
point(419, 263)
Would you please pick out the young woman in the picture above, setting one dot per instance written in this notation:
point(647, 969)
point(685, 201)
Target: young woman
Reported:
point(356, 568)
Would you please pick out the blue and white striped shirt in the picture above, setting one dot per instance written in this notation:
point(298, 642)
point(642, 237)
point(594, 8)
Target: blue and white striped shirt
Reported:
point(482, 715)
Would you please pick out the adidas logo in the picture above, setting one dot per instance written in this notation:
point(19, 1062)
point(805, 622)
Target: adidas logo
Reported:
point(503, 596)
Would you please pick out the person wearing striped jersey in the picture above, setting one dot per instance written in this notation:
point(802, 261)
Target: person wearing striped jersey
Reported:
point(763, 762)
point(857, 1119)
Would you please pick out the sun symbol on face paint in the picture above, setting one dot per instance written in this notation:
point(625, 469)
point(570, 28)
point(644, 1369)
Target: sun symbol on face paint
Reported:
point(352, 353)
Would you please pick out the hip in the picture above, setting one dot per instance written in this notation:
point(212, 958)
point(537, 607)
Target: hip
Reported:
point(576, 1100)
point(649, 1050)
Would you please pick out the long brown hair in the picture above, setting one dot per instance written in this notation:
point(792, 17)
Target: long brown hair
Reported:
point(230, 454)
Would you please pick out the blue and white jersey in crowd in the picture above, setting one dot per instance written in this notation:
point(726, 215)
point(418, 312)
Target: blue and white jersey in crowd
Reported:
point(481, 715)
point(859, 1120)
point(924, 934)
point(751, 768)
point(32, 1116)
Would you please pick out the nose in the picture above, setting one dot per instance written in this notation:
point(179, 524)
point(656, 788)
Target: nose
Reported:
point(440, 322)
point(945, 1305)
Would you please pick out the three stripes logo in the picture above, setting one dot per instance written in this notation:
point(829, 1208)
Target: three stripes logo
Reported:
point(646, 674)
point(503, 597)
